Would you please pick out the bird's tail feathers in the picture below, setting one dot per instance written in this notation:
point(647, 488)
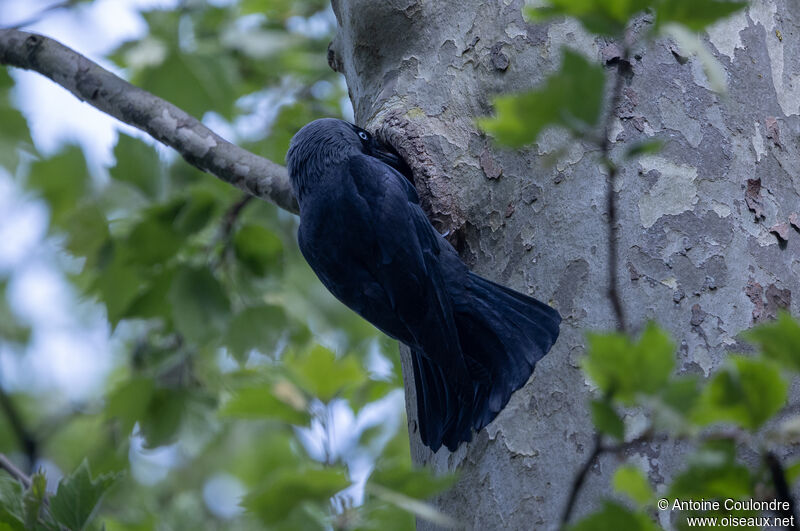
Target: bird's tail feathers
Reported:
point(502, 334)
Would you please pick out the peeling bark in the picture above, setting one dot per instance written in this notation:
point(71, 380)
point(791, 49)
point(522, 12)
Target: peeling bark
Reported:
point(695, 257)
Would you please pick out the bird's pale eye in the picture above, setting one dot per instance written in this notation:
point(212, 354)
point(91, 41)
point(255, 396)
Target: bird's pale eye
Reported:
point(363, 135)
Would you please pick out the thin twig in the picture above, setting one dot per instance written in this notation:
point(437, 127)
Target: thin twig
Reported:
point(782, 489)
point(28, 443)
point(598, 449)
point(580, 479)
point(611, 195)
point(226, 229)
point(16, 473)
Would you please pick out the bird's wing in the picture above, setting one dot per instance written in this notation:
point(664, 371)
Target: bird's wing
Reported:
point(404, 260)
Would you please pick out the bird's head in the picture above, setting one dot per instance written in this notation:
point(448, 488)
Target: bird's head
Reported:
point(327, 141)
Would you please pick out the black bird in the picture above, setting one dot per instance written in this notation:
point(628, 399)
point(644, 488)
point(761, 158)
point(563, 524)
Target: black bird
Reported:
point(473, 342)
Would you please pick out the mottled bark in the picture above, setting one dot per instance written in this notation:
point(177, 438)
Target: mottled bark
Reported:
point(707, 246)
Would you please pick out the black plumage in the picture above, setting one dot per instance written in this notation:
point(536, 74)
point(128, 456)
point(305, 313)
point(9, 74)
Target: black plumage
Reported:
point(473, 342)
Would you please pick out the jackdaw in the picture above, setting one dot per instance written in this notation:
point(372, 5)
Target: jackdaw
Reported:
point(473, 342)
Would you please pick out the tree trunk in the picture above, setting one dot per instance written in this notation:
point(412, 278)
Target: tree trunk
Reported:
point(703, 224)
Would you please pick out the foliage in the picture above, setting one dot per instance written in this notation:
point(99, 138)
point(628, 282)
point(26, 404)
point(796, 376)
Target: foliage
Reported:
point(743, 401)
point(219, 323)
point(571, 96)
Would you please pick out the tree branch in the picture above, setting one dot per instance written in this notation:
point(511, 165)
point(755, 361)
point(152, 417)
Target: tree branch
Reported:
point(16, 473)
point(165, 122)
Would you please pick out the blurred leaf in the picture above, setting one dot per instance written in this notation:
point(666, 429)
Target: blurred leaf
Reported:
point(62, 181)
point(793, 473)
point(258, 249)
point(200, 307)
point(421, 509)
point(161, 421)
point(606, 419)
point(152, 301)
point(695, 14)
point(87, 232)
point(11, 329)
point(571, 97)
point(602, 17)
point(78, 496)
point(197, 213)
point(263, 402)
point(255, 328)
point(647, 147)
point(33, 500)
point(629, 480)
point(11, 509)
point(779, 340)
point(691, 44)
point(713, 473)
point(324, 376)
point(748, 392)
point(399, 476)
point(116, 284)
point(14, 134)
point(137, 164)
point(288, 489)
point(615, 516)
point(622, 369)
point(129, 402)
point(211, 78)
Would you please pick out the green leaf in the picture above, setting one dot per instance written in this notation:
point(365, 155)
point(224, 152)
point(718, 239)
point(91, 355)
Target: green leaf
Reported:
point(258, 249)
point(211, 78)
point(151, 241)
point(695, 14)
point(151, 301)
point(629, 480)
point(287, 489)
point(255, 328)
point(647, 147)
point(324, 376)
point(282, 401)
point(116, 284)
point(571, 97)
point(793, 472)
point(138, 165)
point(11, 508)
point(14, 134)
point(62, 181)
point(779, 340)
point(602, 17)
point(399, 476)
point(163, 417)
point(623, 369)
point(33, 500)
point(129, 402)
point(606, 419)
point(615, 516)
point(87, 232)
point(713, 473)
point(78, 497)
point(748, 393)
point(159, 411)
point(200, 307)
